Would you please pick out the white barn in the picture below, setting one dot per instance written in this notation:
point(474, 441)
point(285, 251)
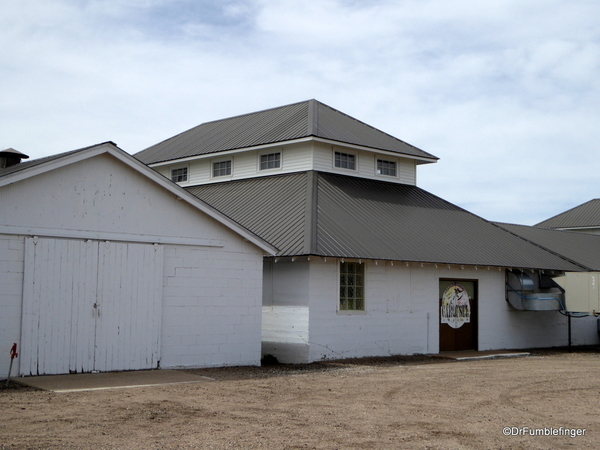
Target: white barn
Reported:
point(107, 265)
point(366, 259)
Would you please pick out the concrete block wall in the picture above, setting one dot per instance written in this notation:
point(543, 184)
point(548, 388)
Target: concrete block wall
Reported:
point(211, 307)
point(402, 313)
point(12, 260)
point(394, 321)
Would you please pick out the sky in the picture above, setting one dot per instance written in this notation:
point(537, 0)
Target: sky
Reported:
point(506, 92)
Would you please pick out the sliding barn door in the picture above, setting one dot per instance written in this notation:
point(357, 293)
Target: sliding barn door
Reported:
point(90, 306)
point(128, 306)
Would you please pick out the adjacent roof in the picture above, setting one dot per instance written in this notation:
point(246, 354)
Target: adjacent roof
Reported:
point(580, 247)
point(285, 123)
point(28, 169)
point(583, 216)
point(40, 161)
point(315, 213)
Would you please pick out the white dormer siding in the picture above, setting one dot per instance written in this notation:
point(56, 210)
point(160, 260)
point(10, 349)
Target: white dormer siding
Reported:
point(366, 163)
point(294, 157)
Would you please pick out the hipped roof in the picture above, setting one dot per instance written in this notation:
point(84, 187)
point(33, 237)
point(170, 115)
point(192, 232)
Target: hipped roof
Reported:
point(278, 125)
point(586, 215)
point(583, 248)
point(324, 214)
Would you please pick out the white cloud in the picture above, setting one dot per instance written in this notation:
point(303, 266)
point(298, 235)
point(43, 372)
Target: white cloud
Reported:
point(505, 92)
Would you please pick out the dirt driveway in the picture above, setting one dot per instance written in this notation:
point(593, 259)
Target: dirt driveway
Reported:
point(394, 403)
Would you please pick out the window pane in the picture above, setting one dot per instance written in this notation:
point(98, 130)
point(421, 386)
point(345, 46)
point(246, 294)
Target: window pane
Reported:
point(179, 175)
point(270, 161)
point(343, 279)
point(352, 286)
point(386, 167)
point(221, 168)
point(344, 160)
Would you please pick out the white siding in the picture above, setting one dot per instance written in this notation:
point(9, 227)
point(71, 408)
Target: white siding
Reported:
point(245, 164)
point(366, 164)
point(294, 158)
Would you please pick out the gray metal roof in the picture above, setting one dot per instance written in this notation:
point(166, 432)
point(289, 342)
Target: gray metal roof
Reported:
point(580, 247)
point(313, 213)
point(582, 216)
point(285, 123)
point(36, 162)
point(273, 206)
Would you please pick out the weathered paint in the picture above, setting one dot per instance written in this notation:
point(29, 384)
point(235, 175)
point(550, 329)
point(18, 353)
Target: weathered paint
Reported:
point(90, 305)
point(211, 278)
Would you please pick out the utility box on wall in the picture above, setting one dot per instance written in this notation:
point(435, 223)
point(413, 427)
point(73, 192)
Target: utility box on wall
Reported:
point(581, 291)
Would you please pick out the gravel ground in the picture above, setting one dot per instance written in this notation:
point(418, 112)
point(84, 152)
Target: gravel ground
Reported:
point(409, 402)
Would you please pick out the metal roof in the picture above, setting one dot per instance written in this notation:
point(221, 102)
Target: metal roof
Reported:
point(582, 216)
point(274, 207)
point(286, 123)
point(583, 248)
point(314, 213)
point(36, 162)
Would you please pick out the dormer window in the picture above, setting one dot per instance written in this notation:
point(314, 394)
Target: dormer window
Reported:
point(179, 175)
point(386, 167)
point(345, 160)
point(270, 161)
point(222, 168)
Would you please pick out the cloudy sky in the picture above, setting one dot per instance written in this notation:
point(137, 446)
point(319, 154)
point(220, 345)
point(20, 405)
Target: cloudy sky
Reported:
point(505, 92)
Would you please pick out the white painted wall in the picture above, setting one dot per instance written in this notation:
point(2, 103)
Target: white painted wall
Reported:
point(503, 327)
point(211, 307)
point(402, 313)
point(399, 318)
point(212, 287)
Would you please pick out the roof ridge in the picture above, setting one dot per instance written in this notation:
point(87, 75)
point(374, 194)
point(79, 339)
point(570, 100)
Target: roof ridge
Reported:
point(309, 118)
point(313, 117)
point(375, 128)
point(253, 112)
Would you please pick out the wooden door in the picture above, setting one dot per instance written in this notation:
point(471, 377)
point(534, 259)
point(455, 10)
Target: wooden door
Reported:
point(90, 305)
point(128, 306)
point(458, 315)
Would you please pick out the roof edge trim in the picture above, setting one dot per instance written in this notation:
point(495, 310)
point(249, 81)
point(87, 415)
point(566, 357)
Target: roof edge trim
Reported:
point(424, 160)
